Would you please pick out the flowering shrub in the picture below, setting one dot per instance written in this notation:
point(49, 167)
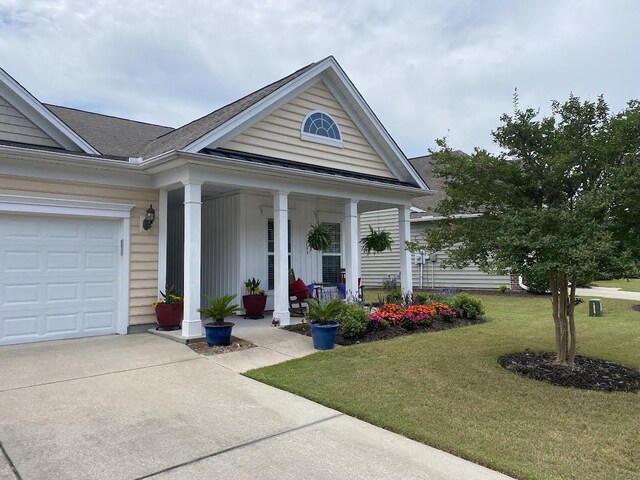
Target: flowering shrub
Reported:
point(387, 314)
point(418, 315)
point(448, 314)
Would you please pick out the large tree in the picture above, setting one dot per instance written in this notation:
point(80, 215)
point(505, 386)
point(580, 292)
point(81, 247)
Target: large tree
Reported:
point(561, 199)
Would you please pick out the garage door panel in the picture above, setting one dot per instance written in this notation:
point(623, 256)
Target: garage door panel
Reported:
point(59, 280)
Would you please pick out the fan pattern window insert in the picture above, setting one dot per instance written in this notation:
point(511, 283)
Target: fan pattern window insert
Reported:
point(320, 127)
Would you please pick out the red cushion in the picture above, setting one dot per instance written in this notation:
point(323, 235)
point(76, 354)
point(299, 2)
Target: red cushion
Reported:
point(299, 289)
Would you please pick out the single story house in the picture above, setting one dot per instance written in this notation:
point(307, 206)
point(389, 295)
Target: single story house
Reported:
point(233, 194)
point(427, 270)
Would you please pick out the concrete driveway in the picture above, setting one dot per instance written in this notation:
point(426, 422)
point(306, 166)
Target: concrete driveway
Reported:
point(139, 406)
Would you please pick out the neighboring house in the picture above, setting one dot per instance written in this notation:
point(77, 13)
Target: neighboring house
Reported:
point(234, 194)
point(428, 273)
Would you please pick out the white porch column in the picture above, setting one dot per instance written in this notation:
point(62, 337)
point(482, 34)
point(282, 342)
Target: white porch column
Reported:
point(281, 257)
point(405, 257)
point(191, 324)
point(161, 218)
point(352, 244)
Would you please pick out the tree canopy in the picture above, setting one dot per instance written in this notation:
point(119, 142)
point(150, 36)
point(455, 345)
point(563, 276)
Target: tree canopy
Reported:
point(560, 199)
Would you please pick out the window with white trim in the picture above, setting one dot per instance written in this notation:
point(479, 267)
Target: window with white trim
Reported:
point(270, 249)
point(332, 257)
point(320, 127)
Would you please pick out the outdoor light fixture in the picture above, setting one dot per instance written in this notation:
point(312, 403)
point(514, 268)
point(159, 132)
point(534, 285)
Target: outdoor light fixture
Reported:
point(149, 218)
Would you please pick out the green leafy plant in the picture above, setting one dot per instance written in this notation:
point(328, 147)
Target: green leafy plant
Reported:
point(353, 320)
point(377, 241)
point(319, 237)
point(324, 311)
point(394, 296)
point(170, 295)
point(252, 285)
point(503, 288)
point(219, 308)
point(469, 306)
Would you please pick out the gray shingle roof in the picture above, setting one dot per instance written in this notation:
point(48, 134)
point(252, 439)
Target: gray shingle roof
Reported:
point(187, 134)
point(428, 203)
point(109, 135)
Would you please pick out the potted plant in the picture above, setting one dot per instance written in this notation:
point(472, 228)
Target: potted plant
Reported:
point(219, 332)
point(319, 237)
point(169, 309)
point(255, 300)
point(377, 241)
point(324, 325)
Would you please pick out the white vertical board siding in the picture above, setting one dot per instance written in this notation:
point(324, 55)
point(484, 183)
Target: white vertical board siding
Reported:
point(220, 247)
point(375, 268)
point(15, 127)
point(278, 135)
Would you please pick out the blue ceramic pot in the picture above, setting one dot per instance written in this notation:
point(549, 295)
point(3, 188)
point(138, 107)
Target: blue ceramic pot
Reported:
point(324, 336)
point(218, 333)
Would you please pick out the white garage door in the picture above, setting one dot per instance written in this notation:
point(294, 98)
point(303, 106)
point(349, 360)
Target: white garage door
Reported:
point(59, 277)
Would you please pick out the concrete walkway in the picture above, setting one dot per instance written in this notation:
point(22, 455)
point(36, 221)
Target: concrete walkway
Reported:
point(140, 406)
point(605, 292)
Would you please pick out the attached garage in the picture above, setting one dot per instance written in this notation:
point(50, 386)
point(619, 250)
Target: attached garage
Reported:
point(63, 274)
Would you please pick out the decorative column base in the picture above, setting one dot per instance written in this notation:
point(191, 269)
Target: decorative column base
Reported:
point(191, 328)
point(284, 317)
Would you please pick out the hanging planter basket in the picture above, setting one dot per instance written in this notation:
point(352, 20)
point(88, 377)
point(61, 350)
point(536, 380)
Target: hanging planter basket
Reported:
point(319, 238)
point(377, 241)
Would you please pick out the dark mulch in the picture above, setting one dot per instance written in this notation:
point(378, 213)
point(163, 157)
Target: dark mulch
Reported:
point(588, 373)
point(388, 333)
point(236, 345)
point(636, 307)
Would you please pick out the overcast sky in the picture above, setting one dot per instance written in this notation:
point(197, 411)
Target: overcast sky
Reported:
point(427, 68)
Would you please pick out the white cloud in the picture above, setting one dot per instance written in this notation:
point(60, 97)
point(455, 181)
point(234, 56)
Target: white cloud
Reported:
point(428, 69)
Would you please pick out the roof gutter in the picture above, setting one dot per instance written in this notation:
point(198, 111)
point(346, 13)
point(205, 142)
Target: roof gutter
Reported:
point(205, 160)
point(433, 218)
point(63, 157)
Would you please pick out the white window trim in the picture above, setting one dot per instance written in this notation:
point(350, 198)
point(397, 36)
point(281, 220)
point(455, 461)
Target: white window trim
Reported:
point(81, 208)
point(319, 138)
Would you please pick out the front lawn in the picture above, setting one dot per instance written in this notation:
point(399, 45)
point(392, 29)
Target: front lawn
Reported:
point(447, 390)
point(630, 285)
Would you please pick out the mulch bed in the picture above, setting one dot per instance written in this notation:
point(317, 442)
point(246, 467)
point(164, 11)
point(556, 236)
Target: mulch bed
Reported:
point(237, 344)
point(588, 373)
point(386, 334)
point(636, 307)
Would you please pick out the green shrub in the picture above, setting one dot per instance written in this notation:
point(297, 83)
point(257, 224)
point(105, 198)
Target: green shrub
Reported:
point(424, 298)
point(395, 296)
point(537, 282)
point(353, 320)
point(469, 306)
point(502, 288)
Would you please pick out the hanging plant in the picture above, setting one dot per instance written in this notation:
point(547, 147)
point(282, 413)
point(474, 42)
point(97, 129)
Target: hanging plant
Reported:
point(319, 237)
point(377, 241)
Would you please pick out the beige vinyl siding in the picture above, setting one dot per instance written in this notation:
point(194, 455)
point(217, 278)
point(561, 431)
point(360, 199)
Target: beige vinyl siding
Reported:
point(278, 135)
point(143, 273)
point(375, 268)
point(15, 127)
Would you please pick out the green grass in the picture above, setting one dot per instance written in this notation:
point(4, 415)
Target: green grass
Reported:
point(630, 285)
point(446, 389)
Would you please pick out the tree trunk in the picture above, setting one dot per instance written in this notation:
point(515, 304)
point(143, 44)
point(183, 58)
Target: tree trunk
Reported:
point(563, 300)
point(571, 355)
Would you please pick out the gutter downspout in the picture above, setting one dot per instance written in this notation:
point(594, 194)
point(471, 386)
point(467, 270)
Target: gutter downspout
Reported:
point(521, 284)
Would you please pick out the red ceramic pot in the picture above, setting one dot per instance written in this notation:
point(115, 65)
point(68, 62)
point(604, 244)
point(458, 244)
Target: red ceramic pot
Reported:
point(254, 305)
point(169, 315)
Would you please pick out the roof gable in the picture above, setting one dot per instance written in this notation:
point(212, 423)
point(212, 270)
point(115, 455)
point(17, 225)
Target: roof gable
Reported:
point(38, 115)
point(280, 135)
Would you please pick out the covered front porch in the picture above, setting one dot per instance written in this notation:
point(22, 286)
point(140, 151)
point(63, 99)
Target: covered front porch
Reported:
point(220, 227)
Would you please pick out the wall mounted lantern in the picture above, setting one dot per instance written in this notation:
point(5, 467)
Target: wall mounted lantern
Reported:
point(149, 218)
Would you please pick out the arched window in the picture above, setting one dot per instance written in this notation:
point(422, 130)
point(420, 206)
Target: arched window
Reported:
point(320, 127)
